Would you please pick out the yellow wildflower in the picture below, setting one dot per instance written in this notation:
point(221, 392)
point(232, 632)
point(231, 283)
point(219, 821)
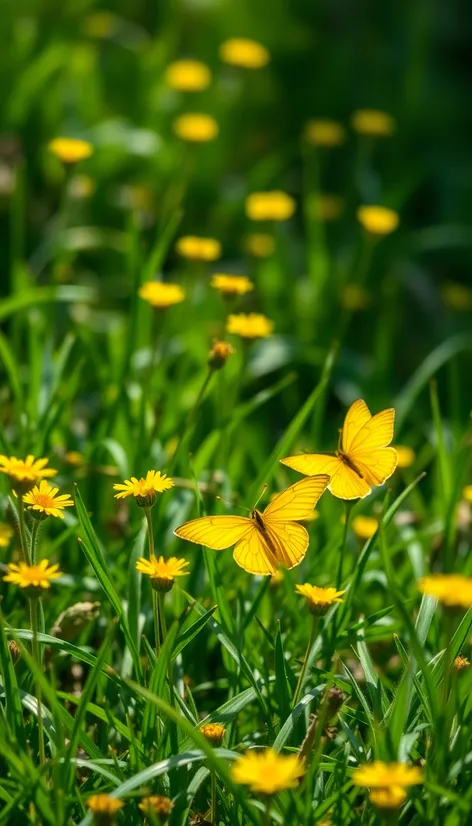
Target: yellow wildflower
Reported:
point(162, 572)
point(188, 75)
point(461, 662)
point(452, 590)
point(44, 502)
point(6, 533)
point(269, 206)
point(268, 772)
point(378, 220)
point(259, 244)
point(74, 458)
point(219, 354)
point(158, 805)
point(319, 599)
point(70, 150)
point(252, 325)
point(161, 295)
point(467, 493)
point(457, 296)
point(196, 248)
point(144, 490)
point(232, 284)
point(364, 526)
point(104, 809)
point(32, 576)
point(405, 456)
point(214, 733)
point(372, 122)
point(324, 132)
point(196, 127)
point(387, 781)
point(354, 298)
point(24, 472)
point(248, 54)
point(391, 797)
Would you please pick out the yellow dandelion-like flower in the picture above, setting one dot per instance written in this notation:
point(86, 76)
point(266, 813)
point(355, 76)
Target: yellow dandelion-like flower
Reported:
point(32, 576)
point(219, 354)
point(251, 325)
point(232, 284)
point(319, 599)
point(364, 526)
point(161, 295)
point(43, 501)
point(326, 207)
point(380, 775)
point(248, 54)
point(269, 206)
point(104, 809)
point(259, 244)
point(158, 805)
point(324, 132)
point(405, 456)
point(196, 248)
point(457, 297)
point(461, 662)
point(268, 772)
point(467, 493)
point(188, 75)
point(196, 127)
point(74, 458)
point(24, 472)
point(162, 572)
point(144, 490)
point(214, 733)
point(6, 533)
point(70, 150)
point(452, 590)
point(392, 797)
point(354, 298)
point(373, 123)
point(378, 220)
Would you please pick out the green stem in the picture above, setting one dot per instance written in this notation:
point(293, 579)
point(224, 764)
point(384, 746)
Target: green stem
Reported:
point(190, 419)
point(155, 611)
point(37, 659)
point(267, 813)
point(22, 528)
point(339, 577)
point(301, 678)
point(34, 535)
point(147, 513)
point(213, 798)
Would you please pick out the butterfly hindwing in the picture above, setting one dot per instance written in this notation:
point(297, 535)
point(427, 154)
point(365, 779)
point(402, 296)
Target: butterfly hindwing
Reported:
point(254, 555)
point(215, 532)
point(290, 542)
point(377, 465)
point(347, 484)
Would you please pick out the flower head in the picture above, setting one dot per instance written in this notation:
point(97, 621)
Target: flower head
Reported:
point(188, 75)
point(196, 248)
point(157, 805)
point(354, 298)
point(372, 122)
point(43, 501)
point(467, 493)
point(104, 809)
point(248, 54)
point(232, 285)
point(161, 295)
point(391, 797)
point(162, 572)
point(461, 662)
point(6, 533)
point(319, 599)
point(259, 244)
point(269, 206)
point(196, 127)
point(405, 456)
point(380, 775)
point(214, 733)
point(219, 354)
point(70, 150)
point(324, 132)
point(457, 296)
point(33, 577)
point(378, 220)
point(144, 490)
point(268, 772)
point(24, 472)
point(452, 590)
point(364, 526)
point(252, 325)
point(74, 458)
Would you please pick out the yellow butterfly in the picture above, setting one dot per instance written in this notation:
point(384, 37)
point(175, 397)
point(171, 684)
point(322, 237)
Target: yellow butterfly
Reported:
point(362, 459)
point(264, 540)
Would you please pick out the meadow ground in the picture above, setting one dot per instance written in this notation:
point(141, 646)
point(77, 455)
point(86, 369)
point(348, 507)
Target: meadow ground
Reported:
point(205, 266)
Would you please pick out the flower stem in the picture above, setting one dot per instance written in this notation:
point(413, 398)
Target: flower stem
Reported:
point(267, 812)
point(37, 659)
point(155, 610)
point(34, 535)
point(213, 798)
point(190, 419)
point(339, 577)
point(147, 513)
point(22, 528)
point(301, 678)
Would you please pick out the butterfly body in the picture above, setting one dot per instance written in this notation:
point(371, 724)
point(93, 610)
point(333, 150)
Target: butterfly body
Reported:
point(348, 462)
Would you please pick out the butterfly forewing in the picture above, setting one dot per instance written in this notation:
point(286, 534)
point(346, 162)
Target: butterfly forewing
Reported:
point(377, 433)
point(357, 417)
point(296, 502)
point(216, 532)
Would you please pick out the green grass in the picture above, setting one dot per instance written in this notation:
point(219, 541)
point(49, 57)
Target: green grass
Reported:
point(87, 366)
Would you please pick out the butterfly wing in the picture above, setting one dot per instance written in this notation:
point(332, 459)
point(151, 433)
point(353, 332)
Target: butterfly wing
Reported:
point(378, 432)
point(313, 464)
point(377, 465)
point(215, 532)
point(297, 501)
point(254, 554)
point(347, 484)
point(357, 417)
point(289, 540)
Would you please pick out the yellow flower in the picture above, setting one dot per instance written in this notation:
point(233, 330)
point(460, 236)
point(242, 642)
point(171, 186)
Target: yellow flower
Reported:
point(196, 127)
point(6, 533)
point(319, 599)
point(354, 298)
point(74, 458)
point(326, 207)
point(70, 150)
point(457, 296)
point(461, 662)
point(378, 220)
point(252, 325)
point(239, 51)
point(32, 576)
point(324, 132)
point(158, 805)
point(267, 772)
point(44, 502)
point(364, 526)
point(161, 295)
point(214, 733)
point(188, 75)
point(232, 284)
point(259, 244)
point(219, 354)
point(452, 590)
point(198, 249)
point(269, 206)
point(25, 471)
point(104, 809)
point(162, 572)
point(405, 456)
point(467, 493)
point(380, 775)
point(144, 490)
point(391, 797)
point(372, 122)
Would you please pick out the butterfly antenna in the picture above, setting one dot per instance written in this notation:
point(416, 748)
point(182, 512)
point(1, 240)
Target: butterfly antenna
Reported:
point(231, 504)
point(264, 488)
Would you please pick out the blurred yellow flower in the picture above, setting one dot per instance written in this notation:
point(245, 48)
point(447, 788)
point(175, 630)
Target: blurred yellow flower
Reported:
point(158, 805)
point(467, 493)
point(188, 75)
point(326, 207)
point(461, 662)
point(252, 325)
point(380, 775)
point(364, 526)
point(452, 590)
point(354, 298)
point(239, 51)
point(457, 296)
point(25, 471)
point(268, 772)
point(161, 295)
point(70, 150)
point(162, 572)
point(232, 284)
point(45, 502)
point(219, 354)
point(378, 220)
point(214, 733)
point(198, 249)
point(324, 132)
point(372, 122)
point(104, 809)
point(196, 127)
point(405, 456)
point(390, 797)
point(74, 458)
point(144, 490)
point(6, 533)
point(32, 576)
point(259, 244)
point(319, 599)
point(269, 206)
